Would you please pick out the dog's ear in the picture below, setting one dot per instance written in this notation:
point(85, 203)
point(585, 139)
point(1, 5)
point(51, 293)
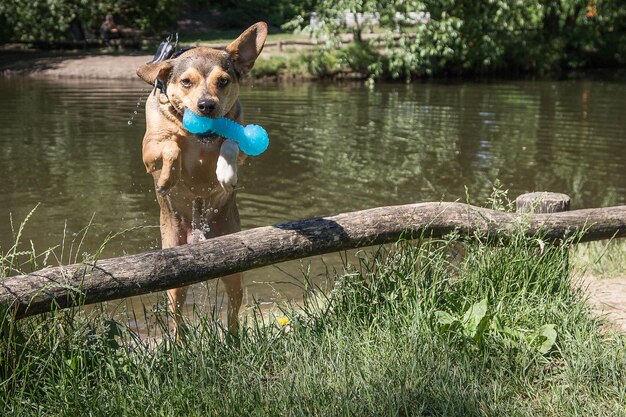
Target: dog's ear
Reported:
point(246, 48)
point(150, 72)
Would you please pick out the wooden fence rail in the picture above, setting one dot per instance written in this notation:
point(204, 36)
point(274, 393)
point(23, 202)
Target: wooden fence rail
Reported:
point(126, 276)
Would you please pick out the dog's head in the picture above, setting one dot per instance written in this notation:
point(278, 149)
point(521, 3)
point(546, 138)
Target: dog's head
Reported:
point(206, 80)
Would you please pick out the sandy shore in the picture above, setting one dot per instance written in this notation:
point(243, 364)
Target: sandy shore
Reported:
point(607, 297)
point(93, 66)
point(96, 63)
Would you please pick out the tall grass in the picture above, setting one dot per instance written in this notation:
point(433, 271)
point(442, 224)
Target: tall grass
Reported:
point(602, 259)
point(403, 332)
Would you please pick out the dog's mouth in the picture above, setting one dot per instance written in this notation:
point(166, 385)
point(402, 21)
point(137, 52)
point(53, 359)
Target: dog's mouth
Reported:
point(199, 125)
point(211, 108)
point(210, 114)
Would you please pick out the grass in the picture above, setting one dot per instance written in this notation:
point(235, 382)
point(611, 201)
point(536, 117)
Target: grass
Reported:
point(280, 66)
point(227, 36)
point(403, 332)
point(349, 61)
point(602, 259)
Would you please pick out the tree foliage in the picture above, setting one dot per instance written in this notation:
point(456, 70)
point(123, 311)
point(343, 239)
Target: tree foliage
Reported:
point(240, 13)
point(50, 20)
point(449, 37)
point(485, 36)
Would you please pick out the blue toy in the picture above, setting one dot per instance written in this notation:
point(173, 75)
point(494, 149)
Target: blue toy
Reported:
point(252, 139)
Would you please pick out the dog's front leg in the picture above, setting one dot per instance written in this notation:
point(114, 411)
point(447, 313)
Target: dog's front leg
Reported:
point(166, 156)
point(170, 173)
point(226, 170)
point(163, 155)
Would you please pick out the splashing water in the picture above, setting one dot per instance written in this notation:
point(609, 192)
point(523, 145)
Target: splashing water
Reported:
point(131, 120)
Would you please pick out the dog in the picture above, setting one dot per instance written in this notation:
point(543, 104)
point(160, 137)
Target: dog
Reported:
point(195, 177)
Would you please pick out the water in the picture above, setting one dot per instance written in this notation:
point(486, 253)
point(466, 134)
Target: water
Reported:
point(75, 148)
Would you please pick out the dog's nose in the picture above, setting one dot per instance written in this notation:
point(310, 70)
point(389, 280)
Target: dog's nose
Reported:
point(206, 106)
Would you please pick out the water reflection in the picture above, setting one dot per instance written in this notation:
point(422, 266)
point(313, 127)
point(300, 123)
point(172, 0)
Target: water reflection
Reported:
point(334, 148)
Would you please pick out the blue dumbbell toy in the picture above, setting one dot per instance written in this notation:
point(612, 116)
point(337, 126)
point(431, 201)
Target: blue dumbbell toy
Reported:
point(252, 139)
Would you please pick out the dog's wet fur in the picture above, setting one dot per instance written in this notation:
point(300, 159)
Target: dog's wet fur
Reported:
point(195, 177)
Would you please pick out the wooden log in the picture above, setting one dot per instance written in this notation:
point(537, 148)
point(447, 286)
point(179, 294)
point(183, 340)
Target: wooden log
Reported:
point(126, 276)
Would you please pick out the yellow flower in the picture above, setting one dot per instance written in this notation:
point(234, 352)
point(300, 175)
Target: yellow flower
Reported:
point(282, 321)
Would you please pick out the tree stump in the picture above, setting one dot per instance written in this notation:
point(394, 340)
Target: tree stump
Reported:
point(542, 202)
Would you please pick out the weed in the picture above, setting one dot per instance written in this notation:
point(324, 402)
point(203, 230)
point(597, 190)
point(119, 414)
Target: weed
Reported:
point(277, 66)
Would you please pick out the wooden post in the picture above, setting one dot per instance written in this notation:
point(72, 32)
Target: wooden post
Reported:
point(542, 202)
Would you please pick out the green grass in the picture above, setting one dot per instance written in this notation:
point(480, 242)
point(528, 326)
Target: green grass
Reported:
point(278, 66)
point(227, 36)
point(314, 63)
point(603, 259)
point(405, 332)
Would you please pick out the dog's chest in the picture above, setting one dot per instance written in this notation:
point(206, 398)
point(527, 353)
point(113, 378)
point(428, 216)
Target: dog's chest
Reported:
point(207, 140)
point(199, 159)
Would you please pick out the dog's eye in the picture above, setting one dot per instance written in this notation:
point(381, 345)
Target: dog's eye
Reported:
point(223, 82)
point(186, 82)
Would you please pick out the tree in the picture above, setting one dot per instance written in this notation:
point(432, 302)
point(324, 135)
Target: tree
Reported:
point(475, 36)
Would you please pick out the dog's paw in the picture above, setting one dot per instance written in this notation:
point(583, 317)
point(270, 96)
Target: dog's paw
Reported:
point(166, 181)
point(226, 174)
point(163, 191)
point(170, 171)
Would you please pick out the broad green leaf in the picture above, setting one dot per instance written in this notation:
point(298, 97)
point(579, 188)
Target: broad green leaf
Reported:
point(445, 318)
point(545, 337)
point(447, 322)
point(474, 318)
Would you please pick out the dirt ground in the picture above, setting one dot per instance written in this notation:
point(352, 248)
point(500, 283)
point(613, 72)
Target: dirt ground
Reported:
point(92, 63)
point(607, 296)
point(71, 65)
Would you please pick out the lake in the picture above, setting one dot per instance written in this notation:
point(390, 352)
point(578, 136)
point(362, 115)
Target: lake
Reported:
point(74, 148)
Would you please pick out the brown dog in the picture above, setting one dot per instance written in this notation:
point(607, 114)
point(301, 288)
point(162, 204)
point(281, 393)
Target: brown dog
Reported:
point(195, 177)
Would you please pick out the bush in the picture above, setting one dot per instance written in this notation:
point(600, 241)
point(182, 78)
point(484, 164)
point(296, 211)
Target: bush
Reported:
point(277, 65)
point(49, 21)
point(323, 62)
